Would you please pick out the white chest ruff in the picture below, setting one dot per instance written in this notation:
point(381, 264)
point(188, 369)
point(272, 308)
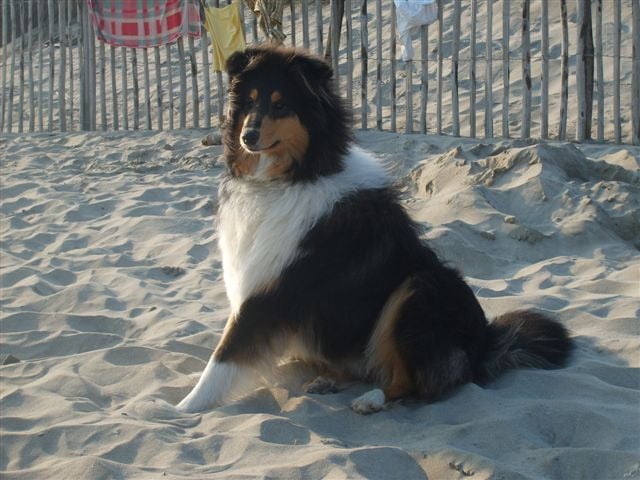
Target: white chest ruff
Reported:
point(262, 224)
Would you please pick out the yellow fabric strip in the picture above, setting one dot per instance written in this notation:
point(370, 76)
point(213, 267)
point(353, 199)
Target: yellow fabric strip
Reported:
point(225, 28)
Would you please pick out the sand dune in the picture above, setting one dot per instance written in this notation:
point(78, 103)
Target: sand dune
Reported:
point(112, 300)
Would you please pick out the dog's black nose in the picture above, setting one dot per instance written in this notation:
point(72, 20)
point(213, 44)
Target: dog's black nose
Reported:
point(251, 137)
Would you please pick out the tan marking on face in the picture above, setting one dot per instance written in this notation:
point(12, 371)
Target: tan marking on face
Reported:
point(244, 163)
point(383, 352)
point(253, 95)
point(293, 141)
point(276, 97)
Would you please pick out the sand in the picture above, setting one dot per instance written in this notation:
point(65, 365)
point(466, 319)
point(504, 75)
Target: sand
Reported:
point(111, 301)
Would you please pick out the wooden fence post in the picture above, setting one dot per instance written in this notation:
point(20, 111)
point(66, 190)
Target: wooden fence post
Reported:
point(488, 81)
point(5, 40)
point(114, 96)
point(364, 63)
point(170, 81)
point(506, 16)
point(183, 84)
point(379, 64)
point(195, 96)
point(21, 66)
point(439, 85)
point(584, 70)
point(32, 116)
point(147, 88)
point(455, 130)
point(392, 80)
point(349, 25)
point(51, 61)
point(525, 128)
point(424, 76)
point(564, 89)
point(617, 26)
point(600, 71)
point(136, 90)
point(472, 70)
point(544, 77)
point(63, 66)
point(85, 71)
point(635, 97)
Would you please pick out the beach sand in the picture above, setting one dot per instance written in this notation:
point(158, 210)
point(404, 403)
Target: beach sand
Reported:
point(112, 299)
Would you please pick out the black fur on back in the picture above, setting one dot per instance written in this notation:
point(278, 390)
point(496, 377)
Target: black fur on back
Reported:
point(307, 81)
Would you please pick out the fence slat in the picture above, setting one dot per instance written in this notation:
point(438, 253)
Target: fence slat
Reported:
point(349, 24)
point(564, 88)
point(156, 55)
point(92, 77)
point(472, 70)
point(393, 79)
point(195, 96)
point(617, 27)
point(505, 67)
point(147, 88)
point(525, 129)
point(62, 91)
point(424, 76)
point(125, 103)
point(364, 63)
point(170, 81)
point(439, 74)
point(581, 86)
point(219, 82)
point(319, 27)
point(51, 14)
point(408, 120)
point(103, 86)
point(183, 84)
point(293, 23)
point(334, 39)
point(114, 96)
point(600, 71)
point(544, 77)
point(204, 42)
point(455, 109)
point(23, 47)
point(136, 89)
point(305, 24)
point(379, 64)
point(32, 117)
point(5, 31)
point(635, 97)
point(488, 81)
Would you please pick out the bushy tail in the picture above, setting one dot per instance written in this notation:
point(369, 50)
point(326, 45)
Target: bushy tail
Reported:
point(525, 339)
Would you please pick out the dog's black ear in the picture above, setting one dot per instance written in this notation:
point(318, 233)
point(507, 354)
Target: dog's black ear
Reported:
point(312, 67)
point(237, 62)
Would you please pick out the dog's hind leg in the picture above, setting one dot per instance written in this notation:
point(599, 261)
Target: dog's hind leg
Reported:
point(385, 361)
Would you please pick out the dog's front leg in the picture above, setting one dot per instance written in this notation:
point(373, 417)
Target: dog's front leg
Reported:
point(233, 369)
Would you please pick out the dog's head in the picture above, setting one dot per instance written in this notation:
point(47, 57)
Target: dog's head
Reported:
point(285, 120)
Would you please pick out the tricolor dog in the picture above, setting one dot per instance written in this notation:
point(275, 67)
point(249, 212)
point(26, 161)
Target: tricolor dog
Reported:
point(322, 262)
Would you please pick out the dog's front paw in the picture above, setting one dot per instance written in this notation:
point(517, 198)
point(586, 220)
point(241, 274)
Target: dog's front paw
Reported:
point(321, 385)
point(194, 404)
point(370, 402)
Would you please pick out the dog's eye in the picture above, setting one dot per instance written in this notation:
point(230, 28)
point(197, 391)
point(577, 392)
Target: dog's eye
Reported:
point(279, 106)
point(249, 103)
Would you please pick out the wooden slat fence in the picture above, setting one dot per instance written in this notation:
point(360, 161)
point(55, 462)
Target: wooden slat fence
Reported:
point(465, 80)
